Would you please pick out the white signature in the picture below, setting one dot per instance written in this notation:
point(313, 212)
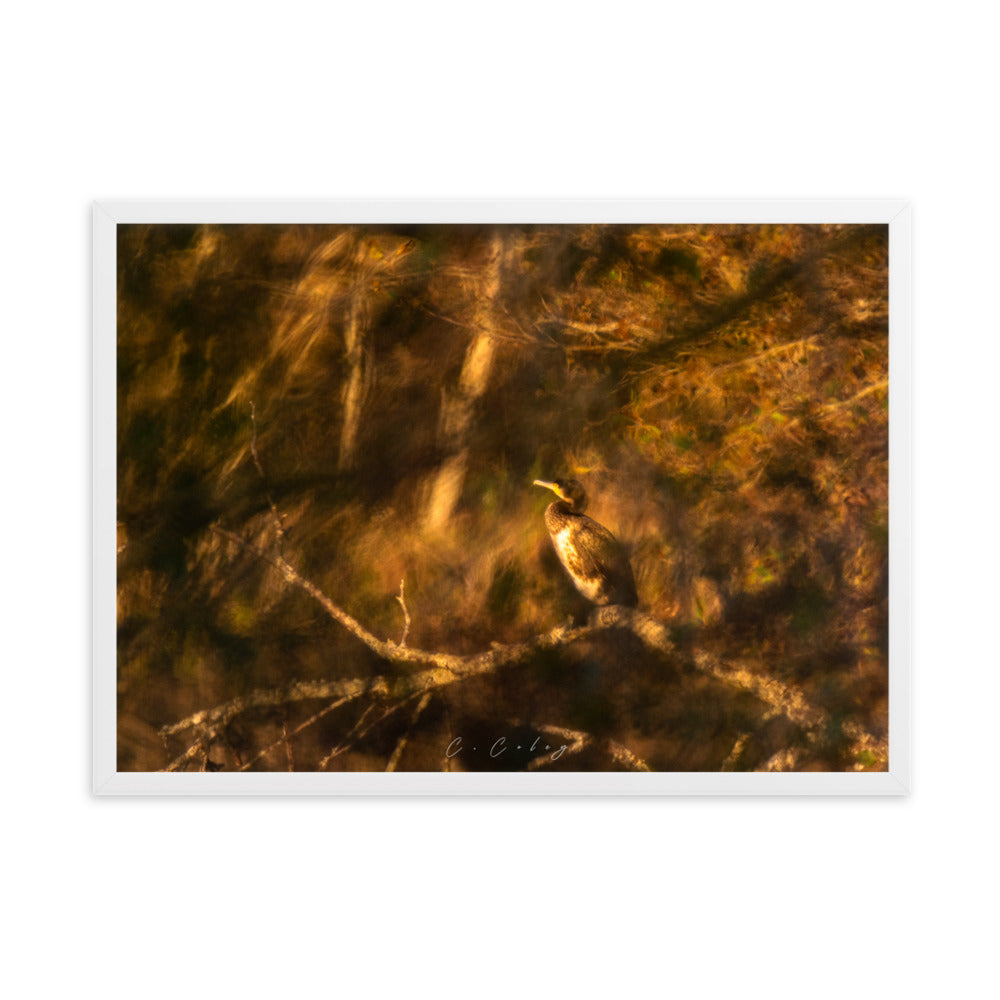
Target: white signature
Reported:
point(499, 747)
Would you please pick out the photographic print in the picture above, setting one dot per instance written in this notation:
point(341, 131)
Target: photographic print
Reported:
point(586, 500)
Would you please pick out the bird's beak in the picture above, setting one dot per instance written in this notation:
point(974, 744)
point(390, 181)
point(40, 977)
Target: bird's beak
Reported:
point(549, 486)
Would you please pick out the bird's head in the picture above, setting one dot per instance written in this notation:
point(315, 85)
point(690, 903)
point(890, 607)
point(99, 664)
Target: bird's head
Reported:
point(568, 490)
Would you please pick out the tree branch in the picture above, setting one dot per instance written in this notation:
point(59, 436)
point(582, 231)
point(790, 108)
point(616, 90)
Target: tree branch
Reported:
point(647, 629)
point(443, 669)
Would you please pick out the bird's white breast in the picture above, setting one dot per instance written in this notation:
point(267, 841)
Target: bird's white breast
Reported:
point(562, 540)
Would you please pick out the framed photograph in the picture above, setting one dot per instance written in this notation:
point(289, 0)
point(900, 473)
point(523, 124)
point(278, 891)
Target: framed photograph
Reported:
point(502, 498)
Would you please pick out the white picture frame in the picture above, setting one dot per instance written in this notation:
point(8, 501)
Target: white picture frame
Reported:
point(107, 780)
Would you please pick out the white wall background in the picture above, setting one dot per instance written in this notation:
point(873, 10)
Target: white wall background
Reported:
point(685, 898)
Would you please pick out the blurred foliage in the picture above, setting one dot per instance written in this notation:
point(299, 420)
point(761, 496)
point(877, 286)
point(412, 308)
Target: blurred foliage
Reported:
point(720, 390)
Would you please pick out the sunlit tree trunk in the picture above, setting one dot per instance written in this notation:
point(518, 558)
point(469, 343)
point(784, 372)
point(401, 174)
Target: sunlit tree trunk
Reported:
point(356, 380)
point(458, 405)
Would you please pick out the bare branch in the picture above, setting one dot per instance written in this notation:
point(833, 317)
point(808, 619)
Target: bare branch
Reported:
point(783, 699)
point(443, 669)
point(213, 719)
point(449, 666)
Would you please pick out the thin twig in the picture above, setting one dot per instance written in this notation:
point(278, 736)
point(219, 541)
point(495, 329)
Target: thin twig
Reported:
point(285, 735)
point(288, 745)
point(579, 741)
point(841, 403)
point(500, 335)
point(278, 529)
point(405, 738)
point(191, 752)
point(837, 404)
point(591, 328)
point(406, 614)
point(754, 359)
point(346, 741)
point(357, 733)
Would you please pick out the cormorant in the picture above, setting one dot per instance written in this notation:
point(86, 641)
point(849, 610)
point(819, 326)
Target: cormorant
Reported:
point(593, 557)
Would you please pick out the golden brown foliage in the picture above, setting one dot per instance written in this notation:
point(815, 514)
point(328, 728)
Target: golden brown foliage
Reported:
point(387, 395)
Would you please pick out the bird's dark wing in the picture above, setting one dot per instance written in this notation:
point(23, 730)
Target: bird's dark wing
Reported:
point(598, 554)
